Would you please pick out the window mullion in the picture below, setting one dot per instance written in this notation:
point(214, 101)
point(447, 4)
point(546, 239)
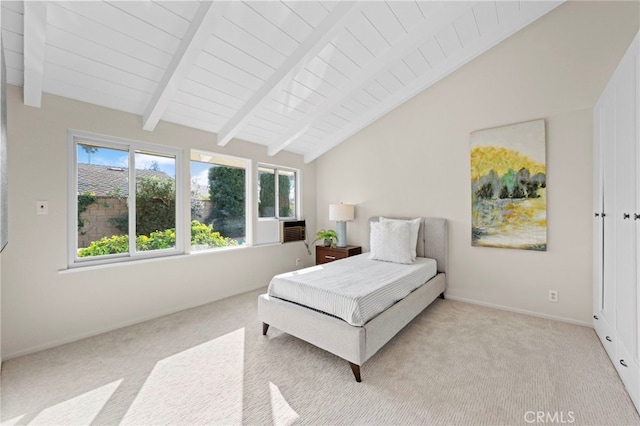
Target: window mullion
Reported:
point(183, 221)
point(131, 202)
point(276, 182)
point(249, 212)
point(72, 251)
point(178, 208)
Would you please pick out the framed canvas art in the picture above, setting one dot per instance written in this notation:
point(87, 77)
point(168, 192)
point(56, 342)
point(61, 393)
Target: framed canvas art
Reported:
point(509, 187)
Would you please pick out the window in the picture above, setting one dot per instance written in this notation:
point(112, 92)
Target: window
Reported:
point(277, 191)
point(126, 199)
point(218, 201)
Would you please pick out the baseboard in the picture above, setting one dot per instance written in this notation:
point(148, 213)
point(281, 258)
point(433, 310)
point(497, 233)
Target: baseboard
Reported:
point(519, 311)
point(70, 339)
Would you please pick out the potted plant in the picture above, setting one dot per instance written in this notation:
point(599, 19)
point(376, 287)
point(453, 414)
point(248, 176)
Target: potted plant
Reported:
point(328, 235)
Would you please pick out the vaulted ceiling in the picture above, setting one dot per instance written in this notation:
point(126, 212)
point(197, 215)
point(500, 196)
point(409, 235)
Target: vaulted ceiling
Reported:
point(296, 76)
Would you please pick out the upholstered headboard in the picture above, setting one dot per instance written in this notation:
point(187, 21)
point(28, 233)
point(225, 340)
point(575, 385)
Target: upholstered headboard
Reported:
point(432, 239)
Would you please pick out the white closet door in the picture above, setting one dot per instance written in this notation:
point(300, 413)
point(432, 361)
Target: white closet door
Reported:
point(617, 142)
point(636, 261)
point(598, 208)
point(625, 205)
point(609, 178)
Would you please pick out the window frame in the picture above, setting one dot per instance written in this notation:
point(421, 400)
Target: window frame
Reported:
point(248, 201)
point(183, 197)
point(276, 171)
point(131, 146)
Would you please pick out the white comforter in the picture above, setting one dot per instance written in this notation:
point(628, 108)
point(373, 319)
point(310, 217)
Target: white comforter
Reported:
point(355, 289)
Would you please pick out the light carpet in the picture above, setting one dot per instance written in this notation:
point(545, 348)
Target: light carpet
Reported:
point(456, 363)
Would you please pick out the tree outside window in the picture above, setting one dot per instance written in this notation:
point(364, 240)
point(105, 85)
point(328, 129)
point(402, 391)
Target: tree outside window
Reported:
point(218, 193)
point(277, 192)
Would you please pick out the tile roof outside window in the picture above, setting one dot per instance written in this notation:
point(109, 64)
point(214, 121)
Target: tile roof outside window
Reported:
point(103, 180)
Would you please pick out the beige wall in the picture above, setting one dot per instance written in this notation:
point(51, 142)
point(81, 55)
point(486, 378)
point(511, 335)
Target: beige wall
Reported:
point(415, 161)
point(42, 306)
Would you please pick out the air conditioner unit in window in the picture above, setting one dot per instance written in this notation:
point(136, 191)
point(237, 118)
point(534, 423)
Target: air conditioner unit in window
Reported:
point(292, 230)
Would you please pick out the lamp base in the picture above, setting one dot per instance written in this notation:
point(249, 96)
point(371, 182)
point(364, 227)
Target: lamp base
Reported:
point(341, 231)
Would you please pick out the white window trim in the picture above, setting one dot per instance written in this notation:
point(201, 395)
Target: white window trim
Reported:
point(73, 136)
point(183, 199)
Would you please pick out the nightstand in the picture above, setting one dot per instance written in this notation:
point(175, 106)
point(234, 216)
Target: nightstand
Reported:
point(329, 254)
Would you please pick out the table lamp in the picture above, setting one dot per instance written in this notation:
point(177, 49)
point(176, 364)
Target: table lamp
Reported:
point(341, 213)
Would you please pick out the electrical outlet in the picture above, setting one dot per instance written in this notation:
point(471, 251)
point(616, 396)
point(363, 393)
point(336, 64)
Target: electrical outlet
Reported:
point(298, 262)
point(42, 207)
point(553, 296)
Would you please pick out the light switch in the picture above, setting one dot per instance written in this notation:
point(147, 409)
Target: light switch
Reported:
point(42, 207)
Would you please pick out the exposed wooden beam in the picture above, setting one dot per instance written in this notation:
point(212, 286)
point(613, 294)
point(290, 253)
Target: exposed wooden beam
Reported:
point(35, 27)
point(392, 54)
point(463, 56)
point(312, 45)
point(204, 23)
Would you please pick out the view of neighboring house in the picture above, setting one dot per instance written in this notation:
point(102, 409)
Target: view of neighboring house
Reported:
point(108, 181)
point(110, 187)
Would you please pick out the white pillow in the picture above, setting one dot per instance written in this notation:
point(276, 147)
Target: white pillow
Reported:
point(415, 227)
point(391, 241)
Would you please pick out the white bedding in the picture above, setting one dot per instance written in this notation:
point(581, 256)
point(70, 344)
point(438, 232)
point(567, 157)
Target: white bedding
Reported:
point(355, 289)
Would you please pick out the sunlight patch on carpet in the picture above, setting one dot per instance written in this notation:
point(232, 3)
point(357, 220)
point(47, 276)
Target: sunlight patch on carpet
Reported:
point(81, 409)
point(282, 413)
point(203, 384)
point(13, 421)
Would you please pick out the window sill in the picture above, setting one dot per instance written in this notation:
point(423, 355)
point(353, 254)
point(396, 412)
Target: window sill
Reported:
point(133, 261)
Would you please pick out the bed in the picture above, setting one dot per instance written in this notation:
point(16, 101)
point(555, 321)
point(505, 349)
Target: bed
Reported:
point(356, 335)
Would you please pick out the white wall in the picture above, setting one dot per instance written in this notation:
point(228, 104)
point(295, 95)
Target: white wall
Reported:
point(41, 306)
point(415, 161)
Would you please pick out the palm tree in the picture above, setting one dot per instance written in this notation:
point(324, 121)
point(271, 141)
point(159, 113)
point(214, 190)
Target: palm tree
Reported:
point(89, 150)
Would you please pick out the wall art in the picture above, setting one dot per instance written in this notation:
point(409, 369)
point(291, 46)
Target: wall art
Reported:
point(509, 187)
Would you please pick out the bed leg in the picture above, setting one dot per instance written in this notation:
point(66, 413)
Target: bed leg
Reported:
point(265, 327)
point(356, 371)
point(441, 295)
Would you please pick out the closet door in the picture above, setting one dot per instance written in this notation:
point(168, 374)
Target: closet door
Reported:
point(598, 208)
point(636, 215)
point(617, 240)
point(608, 199)
point(625, 204)
point(625, 224)
point(604, 164)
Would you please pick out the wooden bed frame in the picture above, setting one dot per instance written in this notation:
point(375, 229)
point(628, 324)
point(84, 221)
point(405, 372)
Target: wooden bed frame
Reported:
point(358, 344)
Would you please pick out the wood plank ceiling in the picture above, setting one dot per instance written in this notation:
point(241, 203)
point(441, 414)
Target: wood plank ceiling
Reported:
point(297, 76)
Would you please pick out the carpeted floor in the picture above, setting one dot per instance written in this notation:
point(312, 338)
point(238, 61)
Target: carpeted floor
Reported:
point(456, 363)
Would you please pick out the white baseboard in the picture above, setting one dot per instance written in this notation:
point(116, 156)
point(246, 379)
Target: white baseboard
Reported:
point(95, 332)
point(519, 311)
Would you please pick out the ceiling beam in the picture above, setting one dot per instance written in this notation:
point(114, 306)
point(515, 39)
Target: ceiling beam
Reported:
point(392, 54)
point(312, 45)
point(35, 27)
point(204, 23)
point(463, 56)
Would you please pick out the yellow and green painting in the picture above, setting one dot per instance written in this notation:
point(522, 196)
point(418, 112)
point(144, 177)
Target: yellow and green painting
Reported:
point(509, 187)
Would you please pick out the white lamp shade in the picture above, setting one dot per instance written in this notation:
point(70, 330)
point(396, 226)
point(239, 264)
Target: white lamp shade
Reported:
point(341, 212)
